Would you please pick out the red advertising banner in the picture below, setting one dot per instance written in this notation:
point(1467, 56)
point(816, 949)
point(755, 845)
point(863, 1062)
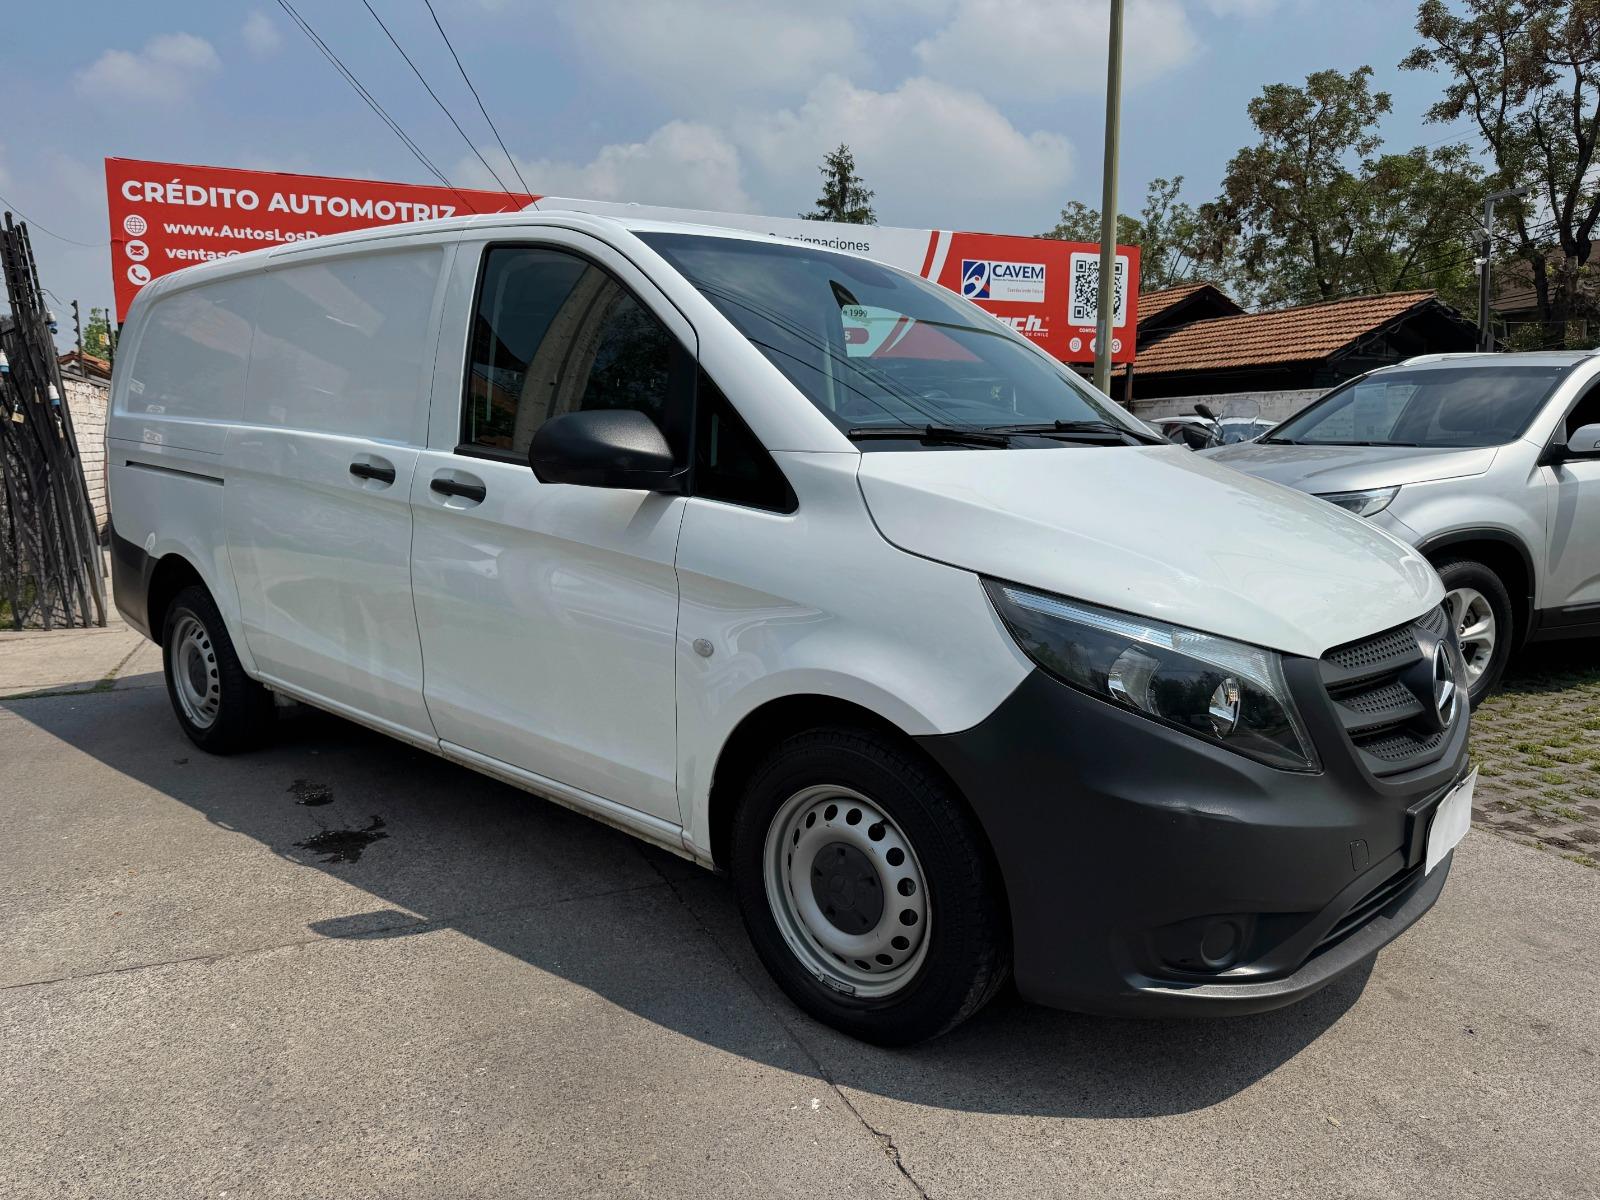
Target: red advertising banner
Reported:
point(166, 216)
point(1046, 290)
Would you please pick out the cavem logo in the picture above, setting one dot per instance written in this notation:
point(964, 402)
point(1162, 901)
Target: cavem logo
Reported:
point(990, 279)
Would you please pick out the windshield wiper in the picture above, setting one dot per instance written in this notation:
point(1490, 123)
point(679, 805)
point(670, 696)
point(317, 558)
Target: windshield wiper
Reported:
point(1086, 431)
point(947, 434)
point(1278, 442)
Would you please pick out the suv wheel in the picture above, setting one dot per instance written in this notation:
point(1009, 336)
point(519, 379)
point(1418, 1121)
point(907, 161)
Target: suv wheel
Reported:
point(221, 708)
point(867, 889)
point(1480, 609)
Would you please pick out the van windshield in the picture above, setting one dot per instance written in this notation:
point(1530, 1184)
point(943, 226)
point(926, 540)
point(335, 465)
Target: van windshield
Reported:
point(879, 351)
point(1486, 405)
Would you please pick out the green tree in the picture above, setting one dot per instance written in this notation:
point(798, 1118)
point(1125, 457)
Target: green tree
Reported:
point(1314, 211)
point(1167, 232)
point(844, 195)
point(97, 333)
point(1526, 73)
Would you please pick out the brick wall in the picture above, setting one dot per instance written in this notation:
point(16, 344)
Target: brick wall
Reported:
point(87, 400)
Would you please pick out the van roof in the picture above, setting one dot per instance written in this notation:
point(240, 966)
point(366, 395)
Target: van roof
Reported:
point(560, 218)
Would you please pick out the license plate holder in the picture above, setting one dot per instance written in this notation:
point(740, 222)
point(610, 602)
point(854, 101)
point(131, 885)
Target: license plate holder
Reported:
point(1452, 817)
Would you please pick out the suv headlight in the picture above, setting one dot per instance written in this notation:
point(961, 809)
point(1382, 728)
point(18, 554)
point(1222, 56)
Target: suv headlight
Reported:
point(1364, 504)
point(1224, 691)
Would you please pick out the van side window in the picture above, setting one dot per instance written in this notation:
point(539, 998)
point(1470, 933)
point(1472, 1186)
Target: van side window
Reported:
point(553, 334)
point(730, 464)
point(1585, 412)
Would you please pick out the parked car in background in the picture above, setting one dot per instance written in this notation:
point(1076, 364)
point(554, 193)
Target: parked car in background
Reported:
point(1488, 464)
point(809, 570)
point(1198, 430)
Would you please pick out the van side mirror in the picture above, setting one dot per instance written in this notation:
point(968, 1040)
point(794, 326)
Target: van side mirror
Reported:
point(1202, 409)
point(609, 448)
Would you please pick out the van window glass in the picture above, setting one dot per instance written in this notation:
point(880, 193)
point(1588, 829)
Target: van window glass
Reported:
point(553, 334)
point(871, 346)
point(1585, 412)
point(1485, 404)
point(192, 356)
point(730, 463)
point(343, 345)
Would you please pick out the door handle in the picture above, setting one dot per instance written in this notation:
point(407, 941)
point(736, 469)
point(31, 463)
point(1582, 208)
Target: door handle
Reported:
point(363, 470)
point(467, 491)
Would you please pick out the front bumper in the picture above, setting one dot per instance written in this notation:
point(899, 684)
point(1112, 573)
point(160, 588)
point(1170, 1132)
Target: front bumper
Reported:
point(1151, 873)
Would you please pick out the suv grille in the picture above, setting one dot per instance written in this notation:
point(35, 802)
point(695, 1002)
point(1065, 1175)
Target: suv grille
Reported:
point(1382, 688)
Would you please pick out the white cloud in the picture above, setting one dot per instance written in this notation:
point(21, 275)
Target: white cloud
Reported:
point(1031, 50)
point(165, 71)
point(1240, 8)
point(261, 35)
point(682, 164)
point(930, 150)
point(703, 51)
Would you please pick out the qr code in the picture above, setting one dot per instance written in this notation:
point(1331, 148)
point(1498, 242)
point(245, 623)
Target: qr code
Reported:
point(1085, 307)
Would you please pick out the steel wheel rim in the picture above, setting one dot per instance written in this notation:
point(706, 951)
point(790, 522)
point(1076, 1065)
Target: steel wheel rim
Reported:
point(803, 875)
point(195, 679)
point(1473, 618)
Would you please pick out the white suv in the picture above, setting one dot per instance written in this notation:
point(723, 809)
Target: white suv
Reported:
point(1488, 464)
point(808, 570)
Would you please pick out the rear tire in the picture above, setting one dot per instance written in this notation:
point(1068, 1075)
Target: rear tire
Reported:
point(221, 708)
point(1480, 610)
point(914, 939)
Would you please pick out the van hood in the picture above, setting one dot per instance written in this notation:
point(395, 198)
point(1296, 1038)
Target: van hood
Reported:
point(1157, 531)
point(1351, 468)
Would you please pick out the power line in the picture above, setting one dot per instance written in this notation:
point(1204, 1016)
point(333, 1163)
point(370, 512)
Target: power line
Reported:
point(442, 106)
point(32, 224)
point(526, 189)
point(367, 96)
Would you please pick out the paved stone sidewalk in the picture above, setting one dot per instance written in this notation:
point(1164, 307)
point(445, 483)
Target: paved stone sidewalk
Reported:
point(1537, 744)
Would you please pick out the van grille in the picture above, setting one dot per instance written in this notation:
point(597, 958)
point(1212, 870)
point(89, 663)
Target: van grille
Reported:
point(1382, 691)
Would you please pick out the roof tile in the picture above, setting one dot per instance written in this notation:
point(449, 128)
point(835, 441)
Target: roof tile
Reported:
point(1286, 335)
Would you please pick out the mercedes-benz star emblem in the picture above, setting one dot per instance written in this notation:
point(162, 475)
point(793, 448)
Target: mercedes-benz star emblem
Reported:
point(1445, 695)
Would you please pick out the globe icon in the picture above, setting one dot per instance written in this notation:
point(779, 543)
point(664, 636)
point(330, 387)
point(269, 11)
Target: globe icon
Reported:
point(134, 224)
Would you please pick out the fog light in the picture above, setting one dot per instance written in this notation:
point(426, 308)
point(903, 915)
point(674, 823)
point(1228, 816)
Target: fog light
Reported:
point(1224, 707)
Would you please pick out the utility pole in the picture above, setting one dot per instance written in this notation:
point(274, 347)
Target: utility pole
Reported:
point(1486, 252)
point(1108, 204)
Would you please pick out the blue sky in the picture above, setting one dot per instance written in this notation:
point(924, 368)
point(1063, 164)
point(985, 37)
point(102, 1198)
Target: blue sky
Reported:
point(973, 114)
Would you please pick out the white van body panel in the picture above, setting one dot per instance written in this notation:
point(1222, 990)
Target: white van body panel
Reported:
point(1157, 531)
point(341, 366)
point(816, 603)
point(547, 613)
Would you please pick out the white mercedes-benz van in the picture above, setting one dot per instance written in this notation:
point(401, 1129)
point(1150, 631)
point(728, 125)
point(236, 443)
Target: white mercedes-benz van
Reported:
point(813, 572)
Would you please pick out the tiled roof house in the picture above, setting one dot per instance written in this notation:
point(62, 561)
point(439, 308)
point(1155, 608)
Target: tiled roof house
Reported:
point(1197, 341)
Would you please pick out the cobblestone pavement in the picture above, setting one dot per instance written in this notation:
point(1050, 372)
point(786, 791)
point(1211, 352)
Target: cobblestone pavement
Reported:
point(1537, 743)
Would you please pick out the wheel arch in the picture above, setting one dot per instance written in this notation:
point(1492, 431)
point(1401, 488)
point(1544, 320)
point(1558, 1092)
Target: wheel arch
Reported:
point(170, 575)
point(768, 723)
point(1502, 552)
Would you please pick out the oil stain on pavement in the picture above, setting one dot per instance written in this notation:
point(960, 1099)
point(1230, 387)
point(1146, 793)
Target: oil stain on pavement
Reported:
point(344, 845)
point(311, 794)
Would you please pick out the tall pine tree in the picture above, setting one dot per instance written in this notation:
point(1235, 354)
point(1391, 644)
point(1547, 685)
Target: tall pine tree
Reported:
point(844, 198)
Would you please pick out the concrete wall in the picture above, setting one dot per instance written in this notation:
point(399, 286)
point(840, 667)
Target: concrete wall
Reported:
point(1273, 406)
point(87, 400)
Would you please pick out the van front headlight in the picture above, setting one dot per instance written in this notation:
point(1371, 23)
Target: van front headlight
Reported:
point(1226, 692)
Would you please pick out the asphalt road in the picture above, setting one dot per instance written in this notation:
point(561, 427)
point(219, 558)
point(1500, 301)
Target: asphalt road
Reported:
point(499, 998)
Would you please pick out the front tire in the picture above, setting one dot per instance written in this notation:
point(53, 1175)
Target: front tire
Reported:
point(867, 888)
point(1480, 610)
point(221, 708)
